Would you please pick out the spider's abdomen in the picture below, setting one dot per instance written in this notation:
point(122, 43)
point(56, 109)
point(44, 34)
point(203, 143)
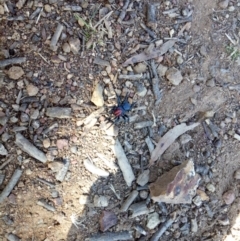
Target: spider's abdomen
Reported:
point(118, 111)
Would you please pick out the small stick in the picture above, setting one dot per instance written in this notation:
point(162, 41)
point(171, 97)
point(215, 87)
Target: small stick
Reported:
point(6, 62)
point(149, 31)
point(185, 20)
point(44, 204)
point(142, 124)
point(123, 12)
point(11, 184)
point(151, 16)
point(155, 83)
point(149, 144)
point(108, 236)
point(12, 237)
point(45, 182)
point(29, 99)
point(62, 173)
point(35, 13)
point(163, 228)
point(131, 77)
point(154, 120)
point(39, 16)
point(6, 162)
point(42, 57)
point(50, 128)
point(101, 62)
point(132, 196)
point(56, 35)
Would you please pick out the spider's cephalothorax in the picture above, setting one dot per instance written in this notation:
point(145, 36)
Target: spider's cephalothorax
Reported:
point(121, 109)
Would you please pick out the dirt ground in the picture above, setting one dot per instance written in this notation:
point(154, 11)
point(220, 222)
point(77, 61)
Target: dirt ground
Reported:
point(208, 58)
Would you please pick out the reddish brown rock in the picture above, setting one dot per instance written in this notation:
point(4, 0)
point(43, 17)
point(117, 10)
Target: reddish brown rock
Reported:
point(176, 186)
point(107, 220)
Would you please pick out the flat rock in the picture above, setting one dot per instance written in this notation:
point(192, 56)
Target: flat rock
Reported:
point(59, 112)
point(107, 220)
point(153, 220)
point(15, 72)
point(174, 76)
point(32, 90)
point(140, 68)
point(97, 96)
point(74, 44)
point(3, 151)
point(176, 186)
point(143, 178)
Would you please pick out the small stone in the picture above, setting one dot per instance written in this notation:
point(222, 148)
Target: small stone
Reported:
point(24, 117)
point(5, 137)
point(162, 70)
point(210, 82)
point(153, 220)
point(97, 96)
point(141, 90)
point(223, 4)
point(140, 68)
point(210, 187)
point(143, 194)
point(231, 8)
point(229, 197)
point(32, 90)
point(197, 201)
point(180, 59)
point(15, 72)
point(62, 143)
point(54, 193)
point(185, 138)
point(55, 166)
point(35, 124)
point(196, 88)
point(203, 51)
point(74, 149)
point(3, 120)
point(202, 195)
point(74, 44)
point(194, 225)
point(13, 119)
point(47, 8)
point(100, 201)
point(128, 84)
point(35, 114)
point(1, 10)
point(59, 112)
point(84, 200)
point(28, 172)
point(46, 143)
point(237, 174)
point(66, 48)
point(143, 178)
point(224, 220)
point(174, 76)
point(3, 150)
point(107, 220)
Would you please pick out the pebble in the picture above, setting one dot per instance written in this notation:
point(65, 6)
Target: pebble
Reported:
point(97, 96)
point(203, 51)
point(140, 68)
point(15, 72)
point(47, 8)
point(202, 195)
point(66, 48)
point(180, 59)
point(128, 84)
point(194, 226)
point(143, 194)
point(46, 143)
point(3, 150)
point(143, 178)
point(210, 82)
point(59, 112)
point(196, 88)
point(210, 187)
point(223, 4)
point(74, 149)
point(229, 197)
point(24, 117)
point(197, 201)
point(62, 143)
point(35, 114)
point(185, 138)
point(107, 220)
point(100, 201)
point(162, 70)
point(28, 172)
point(237, 174)
point(231, 8)
point(224, 221)
point(54, 193)
point(141, 90)
point(174, 76)
point(13, 119)
point(3, 120)
point(153, 220)
point(32, 90)
point(5, 137)
point(35, 124)
point(74, 44)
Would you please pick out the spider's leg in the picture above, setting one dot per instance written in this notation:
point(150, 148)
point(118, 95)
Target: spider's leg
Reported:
point(126, 118)
point(118, 99)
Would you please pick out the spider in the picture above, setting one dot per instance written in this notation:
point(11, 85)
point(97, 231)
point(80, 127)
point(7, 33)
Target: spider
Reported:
point(121, 109)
